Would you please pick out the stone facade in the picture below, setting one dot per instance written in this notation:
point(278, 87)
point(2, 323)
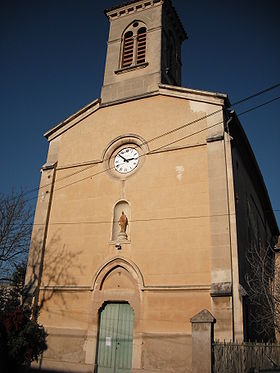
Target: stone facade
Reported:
point(181, 252)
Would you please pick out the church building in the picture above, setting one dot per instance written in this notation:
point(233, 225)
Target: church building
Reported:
point(148, 199)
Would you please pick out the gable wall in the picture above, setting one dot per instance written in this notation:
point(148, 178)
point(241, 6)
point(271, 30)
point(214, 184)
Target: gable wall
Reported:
point(169, 232)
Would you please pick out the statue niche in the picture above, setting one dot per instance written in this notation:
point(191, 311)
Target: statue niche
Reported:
point(120, 222)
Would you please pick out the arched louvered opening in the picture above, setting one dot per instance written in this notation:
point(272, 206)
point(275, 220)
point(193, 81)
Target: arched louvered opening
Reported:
point(141, 45)
point(128, 44)
point(134, 45)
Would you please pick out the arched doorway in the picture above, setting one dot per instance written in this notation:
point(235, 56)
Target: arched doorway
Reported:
point(115, 338)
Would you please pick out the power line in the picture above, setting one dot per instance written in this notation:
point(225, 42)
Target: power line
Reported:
point(257, 94)
point(184, 217)
point(139, 220)
point(160, 148)
point(141, 155)
point(160, 136)
point(144, 220)
point(155, 150)
point(218, 123)
point(258, 106)
point(211, 114)
point(62, 178)
point(182, 138)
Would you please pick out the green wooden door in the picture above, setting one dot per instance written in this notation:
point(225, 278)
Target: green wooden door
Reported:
point(115, 339)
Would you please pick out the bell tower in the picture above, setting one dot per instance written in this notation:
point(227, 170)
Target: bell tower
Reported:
point(144, 49)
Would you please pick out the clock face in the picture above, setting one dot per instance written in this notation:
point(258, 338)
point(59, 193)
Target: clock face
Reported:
point(126, 160)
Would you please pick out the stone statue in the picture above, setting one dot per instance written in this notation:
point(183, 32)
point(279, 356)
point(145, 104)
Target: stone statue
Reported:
point(123, 222)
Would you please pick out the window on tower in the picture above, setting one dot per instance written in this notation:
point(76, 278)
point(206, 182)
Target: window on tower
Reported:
point(141, 45)
point(128, 44)
point(134, 45)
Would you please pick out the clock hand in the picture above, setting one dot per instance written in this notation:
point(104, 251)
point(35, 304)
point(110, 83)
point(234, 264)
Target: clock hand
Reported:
point(126, 160)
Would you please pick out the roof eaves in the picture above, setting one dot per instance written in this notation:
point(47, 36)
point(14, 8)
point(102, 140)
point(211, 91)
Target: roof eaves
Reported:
point(196, 92)
point(71, 118)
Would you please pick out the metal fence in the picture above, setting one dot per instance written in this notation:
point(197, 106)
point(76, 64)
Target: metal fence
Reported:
point(245, 357)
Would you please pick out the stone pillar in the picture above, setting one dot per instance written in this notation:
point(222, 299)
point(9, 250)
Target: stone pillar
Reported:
point(202, 337)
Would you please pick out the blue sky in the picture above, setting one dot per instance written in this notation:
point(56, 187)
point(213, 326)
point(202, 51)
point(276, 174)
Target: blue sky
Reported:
point(52, 64)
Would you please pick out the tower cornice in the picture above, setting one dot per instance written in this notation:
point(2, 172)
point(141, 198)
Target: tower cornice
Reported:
point(130, 7)
point(136, 6)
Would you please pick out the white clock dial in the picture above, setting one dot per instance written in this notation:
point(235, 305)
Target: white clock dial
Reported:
point(126, 160)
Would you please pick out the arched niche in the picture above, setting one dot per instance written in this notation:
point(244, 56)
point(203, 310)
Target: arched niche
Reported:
point(120, 229)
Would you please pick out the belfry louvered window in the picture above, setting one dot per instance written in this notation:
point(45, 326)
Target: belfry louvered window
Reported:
point(141, 45)
point(128, 46)
point(134, 45)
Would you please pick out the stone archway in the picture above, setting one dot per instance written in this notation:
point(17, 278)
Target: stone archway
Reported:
point(119, 281)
